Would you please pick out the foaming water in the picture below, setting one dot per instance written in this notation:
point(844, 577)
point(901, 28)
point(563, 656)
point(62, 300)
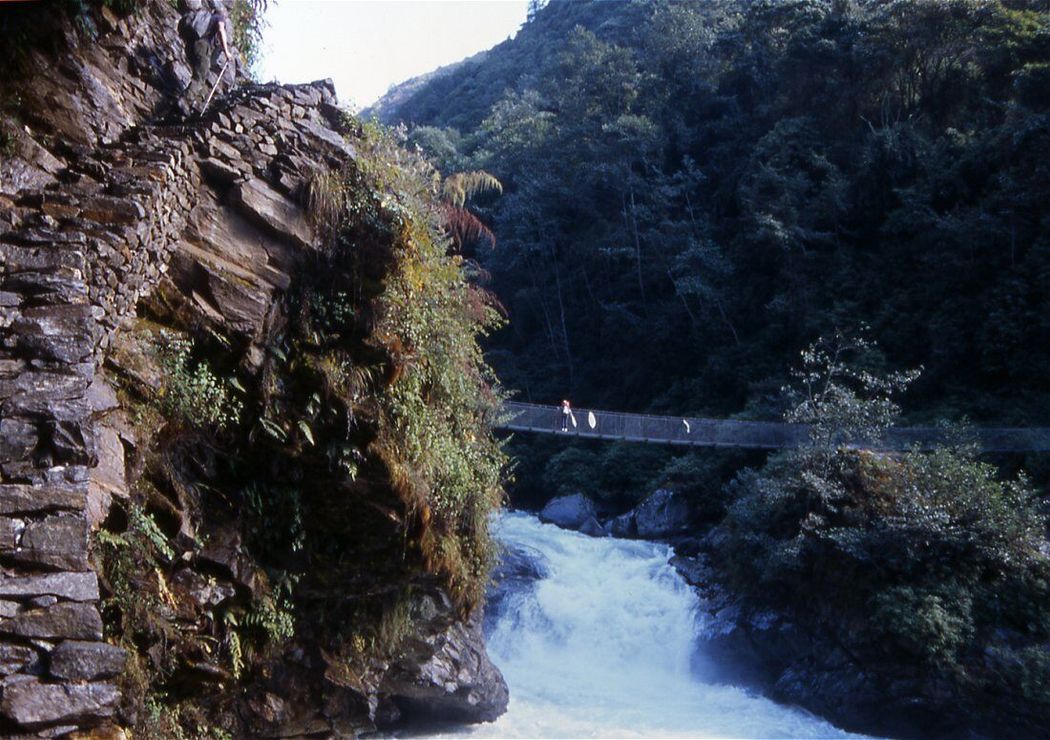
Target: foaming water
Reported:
point(602, 646)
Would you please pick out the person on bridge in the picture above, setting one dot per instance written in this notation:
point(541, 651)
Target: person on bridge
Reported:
point(566, 415)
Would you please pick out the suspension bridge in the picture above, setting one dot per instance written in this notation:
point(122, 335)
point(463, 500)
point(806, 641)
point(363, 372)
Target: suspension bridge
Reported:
point(759, 435)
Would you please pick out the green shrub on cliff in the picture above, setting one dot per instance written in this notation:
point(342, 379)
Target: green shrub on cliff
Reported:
point(923, 560)
point(436, 416)
point(193, 393)
point(379, 379)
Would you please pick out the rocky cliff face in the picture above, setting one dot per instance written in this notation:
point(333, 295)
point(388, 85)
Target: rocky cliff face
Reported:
point(127, 214)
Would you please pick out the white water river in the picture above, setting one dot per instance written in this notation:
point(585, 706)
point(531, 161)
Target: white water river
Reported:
point(602, 647)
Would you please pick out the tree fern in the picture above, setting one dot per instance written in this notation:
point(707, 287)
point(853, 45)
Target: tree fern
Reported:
point(457, 189)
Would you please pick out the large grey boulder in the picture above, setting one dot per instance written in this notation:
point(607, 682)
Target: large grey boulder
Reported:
point(443, 672)
point(662, 514)
point(568, 512)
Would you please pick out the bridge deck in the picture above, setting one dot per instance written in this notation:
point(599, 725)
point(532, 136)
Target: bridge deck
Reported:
point(763, 435)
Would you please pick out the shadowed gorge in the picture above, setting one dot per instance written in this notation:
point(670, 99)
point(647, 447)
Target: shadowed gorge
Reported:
point(270, 370)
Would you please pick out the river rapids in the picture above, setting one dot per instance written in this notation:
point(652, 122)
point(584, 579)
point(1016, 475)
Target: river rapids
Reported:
point(605, 644)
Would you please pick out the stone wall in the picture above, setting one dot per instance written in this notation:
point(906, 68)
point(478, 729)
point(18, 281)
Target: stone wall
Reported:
point(90, 209)
point(205, 217)
point(75, 260)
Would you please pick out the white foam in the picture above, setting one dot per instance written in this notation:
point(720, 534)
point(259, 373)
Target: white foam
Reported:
point(602, 647)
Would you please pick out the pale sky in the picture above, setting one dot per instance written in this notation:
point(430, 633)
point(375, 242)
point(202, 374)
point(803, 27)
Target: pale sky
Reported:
point(365, 46)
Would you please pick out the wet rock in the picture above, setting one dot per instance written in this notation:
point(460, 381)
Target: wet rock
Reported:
point(592, 528)
point(519, 567)
point(568, 512)
point(74, 660)
point(33, 704)
point(694, 570)
point(520, 564)
point(622, 526)
point(447, 676)
point(662, 514)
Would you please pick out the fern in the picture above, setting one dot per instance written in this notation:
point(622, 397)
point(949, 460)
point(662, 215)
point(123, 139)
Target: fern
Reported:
point(460, 187)
point(144, 524)
point(233, 644)
point(463, 227)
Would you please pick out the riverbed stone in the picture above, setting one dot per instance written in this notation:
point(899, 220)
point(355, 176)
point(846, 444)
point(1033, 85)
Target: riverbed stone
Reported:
point(662, 514)
point(519, 568)
point(592, 528)
point(446, 675)
point(568, 512)
point(622, 526)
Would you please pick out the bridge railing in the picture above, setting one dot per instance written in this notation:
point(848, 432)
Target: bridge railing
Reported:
point(767, 435)
point(647, 428)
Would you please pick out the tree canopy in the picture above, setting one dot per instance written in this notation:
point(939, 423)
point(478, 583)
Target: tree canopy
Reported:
point(693, 192)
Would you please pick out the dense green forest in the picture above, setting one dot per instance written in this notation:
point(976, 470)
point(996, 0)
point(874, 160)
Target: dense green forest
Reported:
point(693, 192)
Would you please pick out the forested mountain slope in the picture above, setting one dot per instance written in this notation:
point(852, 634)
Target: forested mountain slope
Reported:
point(694, 191)
point(478, 82)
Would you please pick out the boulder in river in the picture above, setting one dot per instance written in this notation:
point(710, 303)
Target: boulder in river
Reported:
point(519, 567)
point(569, 512)
point(443, 672)
point(662, 514)
point(592, 528)
point(622, 526)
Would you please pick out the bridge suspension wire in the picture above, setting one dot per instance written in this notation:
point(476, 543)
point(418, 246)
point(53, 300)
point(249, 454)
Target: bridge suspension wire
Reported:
point(761, 435)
